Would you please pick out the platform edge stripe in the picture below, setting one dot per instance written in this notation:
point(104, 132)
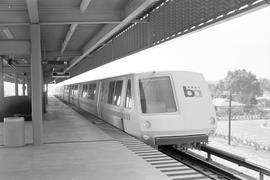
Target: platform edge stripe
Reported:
point(130, 139)
point(192, 178)
point(170, 166)
point(159, 160)
point(153, 154)
point(184, 174)
point(154, 157)
point(137, 146)
point(132, 142)
point(175, 170)
point(144, 151)
point(163, 163)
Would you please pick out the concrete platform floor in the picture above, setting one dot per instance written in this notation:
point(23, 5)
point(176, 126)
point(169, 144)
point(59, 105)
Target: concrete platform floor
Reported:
point(73, 149)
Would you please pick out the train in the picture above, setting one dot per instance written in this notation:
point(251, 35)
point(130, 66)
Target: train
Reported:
point(159, 108)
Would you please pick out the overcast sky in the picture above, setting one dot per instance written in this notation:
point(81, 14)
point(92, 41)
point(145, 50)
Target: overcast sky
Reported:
point(240, 43)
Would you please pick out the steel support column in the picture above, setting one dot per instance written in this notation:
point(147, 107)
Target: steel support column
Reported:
point(28, 88)
point(1, 79)
point(1, 87)
point(16, 85)
point(23, 87)
point(36, 84)
point(46, 97)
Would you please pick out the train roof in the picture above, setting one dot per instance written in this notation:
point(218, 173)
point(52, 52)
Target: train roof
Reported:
point(137, 74)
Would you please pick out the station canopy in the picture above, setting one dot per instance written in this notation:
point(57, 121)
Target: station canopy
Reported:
point(79, 35)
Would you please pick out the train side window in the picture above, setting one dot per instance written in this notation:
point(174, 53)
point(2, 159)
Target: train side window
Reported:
point(75, 92)
point(111, 92)
point(72, 90)
point(117, 93)
point(157, 95)
point(84, 91)
point(128, 100)
point(103, 92)
point(67, 90)
point(115, 90)
point(92, 91)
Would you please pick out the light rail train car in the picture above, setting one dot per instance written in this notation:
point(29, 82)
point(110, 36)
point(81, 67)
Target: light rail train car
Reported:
point(160, 108)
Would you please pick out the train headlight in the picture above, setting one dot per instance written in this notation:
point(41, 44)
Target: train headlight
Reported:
point(212, 121)
point(147, 124)
point(145, 137)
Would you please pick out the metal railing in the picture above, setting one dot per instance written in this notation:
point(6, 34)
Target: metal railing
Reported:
point(236, 159)
point(200, 165)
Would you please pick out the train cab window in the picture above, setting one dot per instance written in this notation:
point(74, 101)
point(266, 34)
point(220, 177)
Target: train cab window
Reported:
point(128, 100)
point(115, 90)
point(157, 95)
point(92, 91)
point(84, 91)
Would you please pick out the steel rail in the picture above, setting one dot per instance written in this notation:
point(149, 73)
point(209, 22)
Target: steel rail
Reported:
point(236, 159)
point(180, 156)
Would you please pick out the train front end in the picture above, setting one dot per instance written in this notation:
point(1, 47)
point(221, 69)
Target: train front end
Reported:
point(175, 109)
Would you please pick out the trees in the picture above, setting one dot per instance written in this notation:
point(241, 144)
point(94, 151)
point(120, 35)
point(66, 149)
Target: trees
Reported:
point(244, 84)
point(265, 84)
point(217, 89)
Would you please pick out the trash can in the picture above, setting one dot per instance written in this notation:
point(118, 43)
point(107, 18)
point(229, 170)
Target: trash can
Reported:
point(14, 131)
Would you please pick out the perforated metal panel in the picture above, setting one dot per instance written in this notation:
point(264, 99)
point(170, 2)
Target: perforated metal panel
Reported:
point(167, 20)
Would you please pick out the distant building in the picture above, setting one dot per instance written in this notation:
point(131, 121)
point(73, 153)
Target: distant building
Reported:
point(264, 100)
point(222, 104)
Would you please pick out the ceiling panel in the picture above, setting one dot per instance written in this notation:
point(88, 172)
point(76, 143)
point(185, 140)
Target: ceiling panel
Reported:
point(20, 32)
point(12, 5)
point(53, 36)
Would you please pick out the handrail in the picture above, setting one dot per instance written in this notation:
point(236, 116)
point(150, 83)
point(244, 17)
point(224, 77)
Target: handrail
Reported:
point(181, 155)
point(236, 159)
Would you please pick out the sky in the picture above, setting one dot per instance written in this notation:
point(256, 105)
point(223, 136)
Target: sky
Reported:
point(239, 43)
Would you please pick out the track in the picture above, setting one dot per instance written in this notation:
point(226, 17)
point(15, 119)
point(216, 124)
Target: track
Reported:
point(200, 164)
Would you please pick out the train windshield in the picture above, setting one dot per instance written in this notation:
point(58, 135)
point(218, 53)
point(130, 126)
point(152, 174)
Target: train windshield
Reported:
point(157, 95)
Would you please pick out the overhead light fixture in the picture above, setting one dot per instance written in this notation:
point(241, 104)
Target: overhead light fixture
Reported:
point(60, 75)
point(7, 32)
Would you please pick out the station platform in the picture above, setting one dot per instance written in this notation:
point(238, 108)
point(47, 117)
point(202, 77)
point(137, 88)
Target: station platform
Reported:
point(80, 146)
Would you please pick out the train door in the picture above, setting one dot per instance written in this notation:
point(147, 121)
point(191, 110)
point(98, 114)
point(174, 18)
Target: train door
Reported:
point(70, 93)
point(128, 108)
point(79, 94)
point(71, 97)
point(100, 93)
point(111, 106)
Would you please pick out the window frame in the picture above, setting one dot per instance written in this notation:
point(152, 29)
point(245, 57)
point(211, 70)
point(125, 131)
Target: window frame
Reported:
point(83, 89)
point(114, 81)
point(91, 95)
point(76, 89)
point(131, 95)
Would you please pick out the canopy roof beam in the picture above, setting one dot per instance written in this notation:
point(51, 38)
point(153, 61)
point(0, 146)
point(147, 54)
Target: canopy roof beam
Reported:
point(32, 6)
